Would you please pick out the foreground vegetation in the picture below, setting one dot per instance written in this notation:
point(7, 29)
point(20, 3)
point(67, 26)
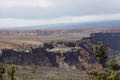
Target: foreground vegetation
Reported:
point(111, 68)
point(43, 73)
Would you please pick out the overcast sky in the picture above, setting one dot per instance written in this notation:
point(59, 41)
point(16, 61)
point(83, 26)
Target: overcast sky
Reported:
point(38, 12)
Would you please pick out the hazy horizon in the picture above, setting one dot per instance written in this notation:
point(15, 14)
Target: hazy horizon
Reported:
point(17, 13)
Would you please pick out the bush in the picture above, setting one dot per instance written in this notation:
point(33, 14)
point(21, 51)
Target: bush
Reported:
point(2, 70)
point(114, 75)
point(11, 69)
point(113, 65)
point(99, 51)
point(111, 73)
point(104, 75)
point(34, 68)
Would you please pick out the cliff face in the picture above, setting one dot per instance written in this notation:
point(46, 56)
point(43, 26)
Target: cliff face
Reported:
point(111, 40)
point(36, 56)
point(78, 58)
point(69, 55)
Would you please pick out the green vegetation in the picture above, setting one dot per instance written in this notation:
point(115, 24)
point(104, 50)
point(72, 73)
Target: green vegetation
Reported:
point(104, 75)
point(113, 65)
point(34, 68)
point(111, 72)
point(99, 51)
point(11, 69)
point(2, 70)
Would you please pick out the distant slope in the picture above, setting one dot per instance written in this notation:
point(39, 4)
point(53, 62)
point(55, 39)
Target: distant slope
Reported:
point(77, 25)
point(66, 26)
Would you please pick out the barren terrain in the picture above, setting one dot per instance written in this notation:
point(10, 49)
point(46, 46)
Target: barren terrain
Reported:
point(20, 38)
point(18, 41)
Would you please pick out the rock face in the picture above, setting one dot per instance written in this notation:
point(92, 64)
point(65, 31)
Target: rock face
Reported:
point(36, 56)
point(69, 55)
point(78, 58)
point(111, 40)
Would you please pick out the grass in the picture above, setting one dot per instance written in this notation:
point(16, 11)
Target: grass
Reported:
point(47, 73)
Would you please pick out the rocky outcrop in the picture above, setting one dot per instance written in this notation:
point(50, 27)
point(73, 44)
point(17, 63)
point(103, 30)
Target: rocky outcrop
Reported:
point(36, 56)
point(111, 40)
point(69, 55)
point(77, 58)
point(64, 54)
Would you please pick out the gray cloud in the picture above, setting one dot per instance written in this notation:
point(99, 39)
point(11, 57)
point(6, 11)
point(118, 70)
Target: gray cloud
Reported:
point(41, 12)
point(31, 9)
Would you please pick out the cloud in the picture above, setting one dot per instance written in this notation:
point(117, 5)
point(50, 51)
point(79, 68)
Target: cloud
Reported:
point(49, 9)
point(9, 22)
point(42, 12)
point(24, 3)
point(42, 3)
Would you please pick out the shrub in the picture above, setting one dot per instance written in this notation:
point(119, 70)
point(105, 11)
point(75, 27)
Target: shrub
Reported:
point(113, 65)
point(2, 70)
point(113, 75)
point(104, 75)
point(99, 51)
point(11, 69)
point(34, 68)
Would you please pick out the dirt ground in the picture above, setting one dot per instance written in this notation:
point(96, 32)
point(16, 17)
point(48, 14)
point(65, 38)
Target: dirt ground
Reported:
point(20, 41)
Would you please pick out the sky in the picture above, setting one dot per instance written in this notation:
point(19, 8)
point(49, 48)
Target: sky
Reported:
point(17, 13)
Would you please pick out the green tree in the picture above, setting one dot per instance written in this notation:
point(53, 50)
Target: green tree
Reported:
point(2, 70)
point(99, 51)
point(11, 69)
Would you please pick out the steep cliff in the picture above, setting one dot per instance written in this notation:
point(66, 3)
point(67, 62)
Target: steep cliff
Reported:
point(69, 55)
point(64, 54)
point(36, 56)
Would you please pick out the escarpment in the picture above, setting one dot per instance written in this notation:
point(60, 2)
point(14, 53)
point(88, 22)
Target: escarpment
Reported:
point(69, 55)
point(36, 56)
point(62, 54)
point(111, 40)
point(74, 56)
